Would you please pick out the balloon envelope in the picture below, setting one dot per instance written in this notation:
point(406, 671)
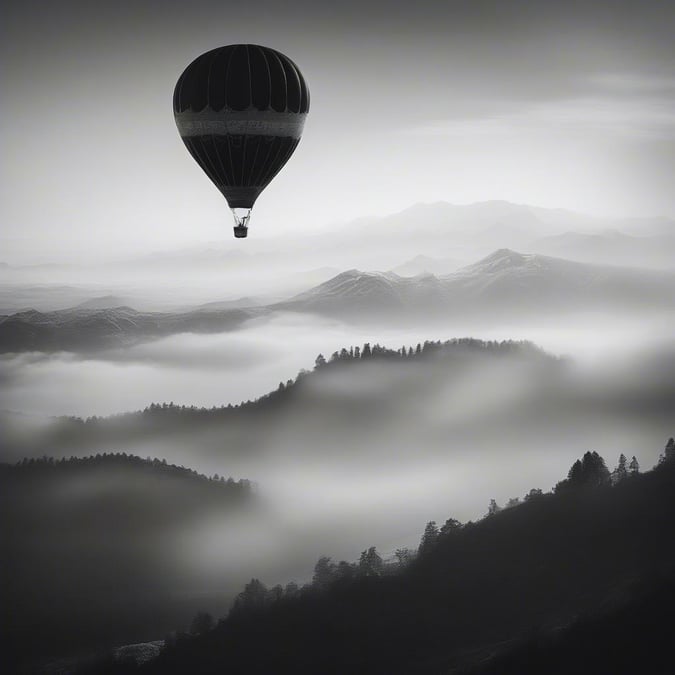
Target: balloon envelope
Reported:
point(240, 110)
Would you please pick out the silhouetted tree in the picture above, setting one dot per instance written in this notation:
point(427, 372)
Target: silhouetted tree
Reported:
point(254, 596)
point(621, 472)
point(576, 473)
point(493, 508)
point(370, 563)
point(451, 525)
point(668, 453)
point(533, 494)
point(590, 472)
point(324, 573)
point(595, 470)
point(429, 538)
point(633, 467)
point(404, 556)
point(319, 361)
point(345, 570)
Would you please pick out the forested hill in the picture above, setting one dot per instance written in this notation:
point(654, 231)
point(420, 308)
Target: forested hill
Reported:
point(87, 548)
point(369, 363)
point(47, 468)
point(595, 547)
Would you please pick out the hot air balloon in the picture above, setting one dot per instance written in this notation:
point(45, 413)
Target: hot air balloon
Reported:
point(240, 110)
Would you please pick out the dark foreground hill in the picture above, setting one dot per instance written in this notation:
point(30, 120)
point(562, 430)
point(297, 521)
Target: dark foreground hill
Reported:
point(631, 638)
point(560, 571)
point(86, 555)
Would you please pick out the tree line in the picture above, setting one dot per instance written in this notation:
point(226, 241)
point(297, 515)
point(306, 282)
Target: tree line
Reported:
point(427, 350)
point(42, 466)
point(587, 473)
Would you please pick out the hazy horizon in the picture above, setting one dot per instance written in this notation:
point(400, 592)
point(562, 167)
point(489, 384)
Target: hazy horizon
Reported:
point(490, 170)
point(264, 241)
point(560, 106)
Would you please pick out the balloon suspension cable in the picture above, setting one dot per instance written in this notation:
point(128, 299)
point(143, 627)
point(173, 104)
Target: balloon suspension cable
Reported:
point(241, 218)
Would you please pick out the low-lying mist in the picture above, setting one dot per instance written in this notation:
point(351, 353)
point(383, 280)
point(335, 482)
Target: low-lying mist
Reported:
point(363, 453)
point(218, 369)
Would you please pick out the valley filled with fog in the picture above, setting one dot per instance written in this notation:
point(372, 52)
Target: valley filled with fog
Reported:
point(243, 364)
point(356, 452)
point(415, 413)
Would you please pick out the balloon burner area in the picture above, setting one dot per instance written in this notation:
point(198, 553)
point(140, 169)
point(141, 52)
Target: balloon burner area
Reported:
point(241, 218)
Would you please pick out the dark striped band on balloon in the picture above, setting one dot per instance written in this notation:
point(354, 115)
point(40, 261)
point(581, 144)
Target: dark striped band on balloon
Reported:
point(249, 123)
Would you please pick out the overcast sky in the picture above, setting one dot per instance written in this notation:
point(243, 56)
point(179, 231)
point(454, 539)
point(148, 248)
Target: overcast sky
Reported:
point(555, 104)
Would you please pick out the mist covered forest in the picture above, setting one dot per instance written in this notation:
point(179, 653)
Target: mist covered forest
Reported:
point(546, 580)
point(265, 496)
point(102, 545)
point(414, 414)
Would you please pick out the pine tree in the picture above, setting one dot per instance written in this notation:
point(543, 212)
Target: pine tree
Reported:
point(575, 474)
point(253, 596)
point(370, 563)
point(429, 538)
point(451, 525)
point(404, 556)
point(633, 467)
point(345, 570)
point(668, 453)
point(621, 472)
point(324, 572)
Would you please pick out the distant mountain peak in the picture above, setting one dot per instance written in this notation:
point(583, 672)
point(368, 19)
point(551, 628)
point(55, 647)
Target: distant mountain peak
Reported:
point(505, 253)
point(104, 302)
point(501, 259)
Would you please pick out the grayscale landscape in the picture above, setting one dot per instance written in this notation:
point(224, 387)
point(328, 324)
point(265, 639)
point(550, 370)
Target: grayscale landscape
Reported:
point(438, 373)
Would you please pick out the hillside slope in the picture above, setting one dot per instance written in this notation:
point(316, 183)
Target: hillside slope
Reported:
point(86, 548)
point(533, 567)
point(83, 329)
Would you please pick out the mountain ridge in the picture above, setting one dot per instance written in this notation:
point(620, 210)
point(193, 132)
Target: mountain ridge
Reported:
point(504, 283)
point(505, 280)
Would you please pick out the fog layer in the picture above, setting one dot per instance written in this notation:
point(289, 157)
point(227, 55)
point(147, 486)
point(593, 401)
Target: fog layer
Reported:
point(366, 452)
